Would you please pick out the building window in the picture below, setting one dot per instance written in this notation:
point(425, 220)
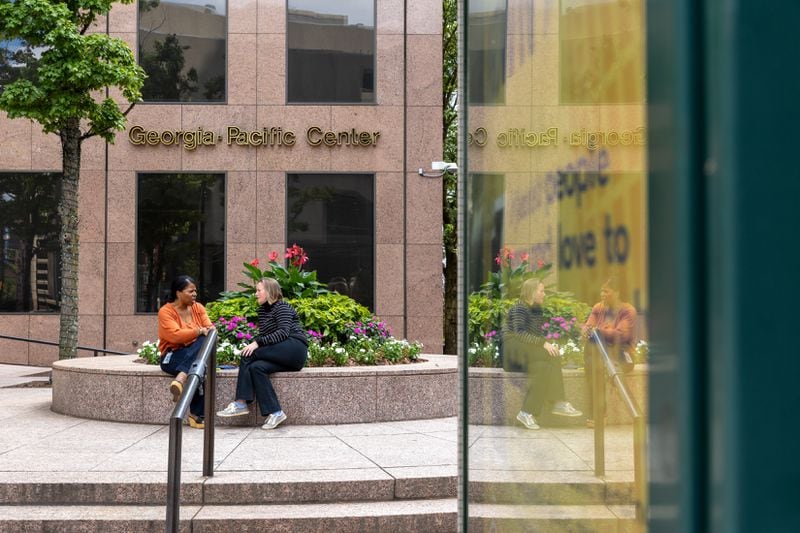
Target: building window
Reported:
point(331, 51)
point(30, 271)
point(18, 60)
point(182, 48)
point(486, 212)
point(602, 51)
point(180, 229)
point(487, 51)
point(332, 216)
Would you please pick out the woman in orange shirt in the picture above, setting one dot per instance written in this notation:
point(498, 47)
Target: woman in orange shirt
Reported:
point(182, 326)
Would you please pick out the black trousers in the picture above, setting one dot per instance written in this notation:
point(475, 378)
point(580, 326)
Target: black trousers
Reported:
point(253, 381)
point(545, 384)
point(181, 361)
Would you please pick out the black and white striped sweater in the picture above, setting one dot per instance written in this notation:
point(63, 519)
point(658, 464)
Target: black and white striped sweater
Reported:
point(278, 322)
point(524, 323)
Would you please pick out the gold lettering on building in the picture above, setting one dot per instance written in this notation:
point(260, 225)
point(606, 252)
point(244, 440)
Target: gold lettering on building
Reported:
point(274, 136)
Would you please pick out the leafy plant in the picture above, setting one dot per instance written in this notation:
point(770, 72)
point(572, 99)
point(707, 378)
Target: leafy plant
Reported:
point(330, 315)
point(294, 281)
point(506, 282)
point(149, 352)
point(238, 305)
point(236, 330)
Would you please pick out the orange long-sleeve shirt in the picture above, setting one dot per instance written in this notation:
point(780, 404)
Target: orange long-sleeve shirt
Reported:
point(616, 328)
point(173, 332)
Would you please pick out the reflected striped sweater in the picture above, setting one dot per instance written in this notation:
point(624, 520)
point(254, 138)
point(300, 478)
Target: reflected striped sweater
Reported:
point(525, 324)
point(278, 322)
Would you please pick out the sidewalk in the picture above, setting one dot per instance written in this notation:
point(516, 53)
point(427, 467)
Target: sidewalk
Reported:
point(34, 439)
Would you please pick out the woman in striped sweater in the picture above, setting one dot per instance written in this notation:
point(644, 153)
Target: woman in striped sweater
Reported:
point(281, 346)
point(525, 344)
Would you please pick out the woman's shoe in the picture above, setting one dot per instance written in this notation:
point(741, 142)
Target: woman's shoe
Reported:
point(196, 422)
point(176, 389)
point(527, 420)
point(273, 420)
point(233, 410)
point(565, 409)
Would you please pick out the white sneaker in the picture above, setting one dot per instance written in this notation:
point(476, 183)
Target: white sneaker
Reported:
point(233, 410)
point(565, 409)
point(274, 420)
point(527, 420)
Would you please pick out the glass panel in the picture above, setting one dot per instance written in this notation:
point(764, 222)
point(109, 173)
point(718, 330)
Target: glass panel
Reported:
point(555, 249)
point(182, 47)
point(30, 225)
point(331, 48)
point(487, 51)
point(17, 60)
point(332, 216)
point(180, 229)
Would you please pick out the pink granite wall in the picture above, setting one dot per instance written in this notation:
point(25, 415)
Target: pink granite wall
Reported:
point(408, 242)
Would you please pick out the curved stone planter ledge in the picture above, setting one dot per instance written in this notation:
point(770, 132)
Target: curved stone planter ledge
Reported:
point(117, 388)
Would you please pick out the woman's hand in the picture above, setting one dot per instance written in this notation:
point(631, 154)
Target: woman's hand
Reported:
point(248, 350)
point(552, 349)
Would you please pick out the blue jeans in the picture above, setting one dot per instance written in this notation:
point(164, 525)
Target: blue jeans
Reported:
point(181, 361)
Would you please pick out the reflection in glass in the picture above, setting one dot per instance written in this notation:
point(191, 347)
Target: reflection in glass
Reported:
point(487, 51)
point(182, 48)
point(180, 229)
point(602, 51)
point(31, 254)
point(331, 48)
point(18, 60)
point(555, 193)
point(332, 216)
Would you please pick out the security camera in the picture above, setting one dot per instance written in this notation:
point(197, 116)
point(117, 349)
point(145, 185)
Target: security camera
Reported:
point(442, 165)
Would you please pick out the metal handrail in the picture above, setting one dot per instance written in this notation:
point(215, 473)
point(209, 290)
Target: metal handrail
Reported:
point(51, 343)
point(205, 362)
point(639, 443)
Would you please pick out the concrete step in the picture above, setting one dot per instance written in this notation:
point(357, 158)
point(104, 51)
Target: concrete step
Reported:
point(552, 518)
point(550, 487)
point(226, 487)
point(430, 516)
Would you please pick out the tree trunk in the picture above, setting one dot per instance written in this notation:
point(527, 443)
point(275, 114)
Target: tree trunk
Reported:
point(68, 210)
point(450, 271)
point(450, 303)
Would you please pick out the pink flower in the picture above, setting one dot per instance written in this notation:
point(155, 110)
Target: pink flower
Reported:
point(556, 335)
point(248, 336)
point(273, 256)
point(240, 335)
point(251, 325)
point(524, 256)
point(539, 263)
point(254, 262)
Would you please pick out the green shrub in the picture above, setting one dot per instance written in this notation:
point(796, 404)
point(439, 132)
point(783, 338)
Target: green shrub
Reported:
point(238, 305)
point(330, 315)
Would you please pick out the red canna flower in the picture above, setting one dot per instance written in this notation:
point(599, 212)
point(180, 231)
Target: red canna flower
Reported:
point(273, 256)
point(254, 262)
point(524, 256)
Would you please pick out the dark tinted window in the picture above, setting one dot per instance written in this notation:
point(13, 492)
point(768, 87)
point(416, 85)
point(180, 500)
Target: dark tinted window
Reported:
point(332, 216)
point(331, 48)
point(182, 47)
point(17, 60)
point(485, 208)
point(487, 51)
point(180, 230)
point(30, 270)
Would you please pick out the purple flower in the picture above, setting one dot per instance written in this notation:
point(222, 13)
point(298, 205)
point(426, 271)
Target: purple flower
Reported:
point(240, 335)
point(250, 325)
point(248, 336)
point(222, 320)
point(546, 325)
point(231, 326)
point(549, 336)
point(556, 335)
